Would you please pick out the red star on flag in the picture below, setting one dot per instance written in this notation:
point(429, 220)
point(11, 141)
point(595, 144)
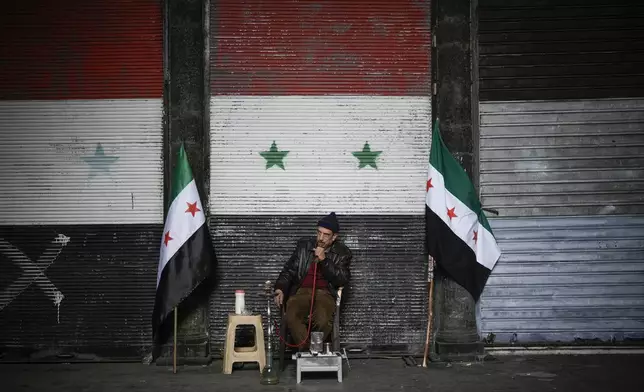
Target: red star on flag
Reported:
point(192, 208)
point(476, 236)
point(167, 238)
point(429, 184)
point(450, 213)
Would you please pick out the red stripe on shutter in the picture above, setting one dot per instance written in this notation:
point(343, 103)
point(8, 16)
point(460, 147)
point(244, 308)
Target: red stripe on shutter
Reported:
point(81, 49)
point(262, 47)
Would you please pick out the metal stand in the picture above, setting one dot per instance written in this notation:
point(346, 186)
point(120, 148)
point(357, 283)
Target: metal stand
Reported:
point(322, 362)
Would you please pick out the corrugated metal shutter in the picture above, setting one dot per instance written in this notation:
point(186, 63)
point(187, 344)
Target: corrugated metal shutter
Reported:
point(561, 159)
point(80, 162)
point(302, 94)
point(560, 49)
point(387, 298)
point(566, 279)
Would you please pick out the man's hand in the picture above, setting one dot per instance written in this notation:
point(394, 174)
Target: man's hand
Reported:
point(320, 253)
point(279, 297)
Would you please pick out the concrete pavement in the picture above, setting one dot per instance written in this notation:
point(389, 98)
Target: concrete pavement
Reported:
point(582, 373)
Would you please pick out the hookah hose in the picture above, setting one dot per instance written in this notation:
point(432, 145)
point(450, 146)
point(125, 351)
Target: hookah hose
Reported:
point(308, 331)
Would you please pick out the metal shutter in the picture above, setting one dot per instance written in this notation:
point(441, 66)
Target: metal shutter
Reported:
point(561, 118)
point(80, 163)
point(335, 84)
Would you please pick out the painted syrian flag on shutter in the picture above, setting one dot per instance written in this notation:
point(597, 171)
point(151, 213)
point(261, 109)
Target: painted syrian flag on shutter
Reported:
point(355, 155)
point(81, 109)
point(331, 114)
point(187, 256)
point(459, 236)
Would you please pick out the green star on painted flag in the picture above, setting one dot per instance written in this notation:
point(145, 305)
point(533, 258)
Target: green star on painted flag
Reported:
point(367, 157)
point(99, 162)
point(274, 157)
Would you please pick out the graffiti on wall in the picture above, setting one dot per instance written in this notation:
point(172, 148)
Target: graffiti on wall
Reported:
point(33, 272)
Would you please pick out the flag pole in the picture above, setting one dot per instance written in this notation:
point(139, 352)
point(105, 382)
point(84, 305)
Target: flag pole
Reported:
point(174, 343)
point(430, 311)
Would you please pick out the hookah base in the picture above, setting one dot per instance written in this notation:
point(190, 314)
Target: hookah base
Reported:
point(269, 376)
point(321, 362)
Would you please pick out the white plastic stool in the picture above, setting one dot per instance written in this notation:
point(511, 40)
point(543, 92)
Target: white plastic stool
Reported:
point(234, 354)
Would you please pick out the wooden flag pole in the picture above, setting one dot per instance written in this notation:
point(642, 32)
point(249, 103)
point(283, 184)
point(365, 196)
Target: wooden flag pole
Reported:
point(174, 344)
point(430, 311)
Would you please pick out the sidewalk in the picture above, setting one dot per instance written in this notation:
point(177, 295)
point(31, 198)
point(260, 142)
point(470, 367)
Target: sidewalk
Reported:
point(583, 373)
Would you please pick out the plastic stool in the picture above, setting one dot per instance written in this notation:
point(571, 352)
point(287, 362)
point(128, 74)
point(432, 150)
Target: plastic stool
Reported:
point(234, 354)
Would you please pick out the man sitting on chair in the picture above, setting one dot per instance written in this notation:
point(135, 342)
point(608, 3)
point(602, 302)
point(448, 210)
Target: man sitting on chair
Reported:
point(332, 258)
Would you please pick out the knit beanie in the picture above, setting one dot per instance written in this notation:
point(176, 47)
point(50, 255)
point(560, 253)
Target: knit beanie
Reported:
point(330, 222)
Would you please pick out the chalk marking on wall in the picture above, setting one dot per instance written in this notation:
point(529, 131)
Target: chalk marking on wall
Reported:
point(33, 272)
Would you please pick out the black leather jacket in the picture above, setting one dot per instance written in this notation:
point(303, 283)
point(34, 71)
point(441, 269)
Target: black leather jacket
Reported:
point(334, 268)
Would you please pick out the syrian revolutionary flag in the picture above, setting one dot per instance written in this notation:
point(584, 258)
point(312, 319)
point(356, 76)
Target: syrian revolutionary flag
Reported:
point(187, 256)
point(459, 236)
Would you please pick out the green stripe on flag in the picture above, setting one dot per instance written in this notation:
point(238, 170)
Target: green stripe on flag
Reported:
point(457, 182)
point(484, 222)
point(182, 174)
